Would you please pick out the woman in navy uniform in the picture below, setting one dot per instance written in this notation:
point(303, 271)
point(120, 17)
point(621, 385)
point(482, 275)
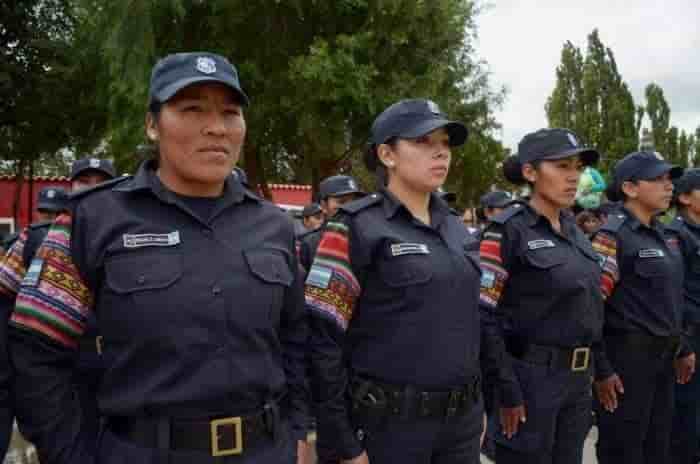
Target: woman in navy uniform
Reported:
point(194, 283)
point(393, 296)
point(642, 283)
point(685, 229)
point(540, 298)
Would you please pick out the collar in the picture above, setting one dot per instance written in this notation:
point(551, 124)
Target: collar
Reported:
point(533, 217)
point(146, 179)
point(635, 223)
point(439, 209)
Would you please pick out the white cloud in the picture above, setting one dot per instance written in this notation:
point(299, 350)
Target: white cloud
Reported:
point(652, 41)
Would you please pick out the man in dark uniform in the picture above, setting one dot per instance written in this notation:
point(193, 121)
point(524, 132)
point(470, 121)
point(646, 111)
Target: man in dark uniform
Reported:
point(312, 217)
point(685, 230)
point(334, 191)
point(12, 269)
point(642, 282)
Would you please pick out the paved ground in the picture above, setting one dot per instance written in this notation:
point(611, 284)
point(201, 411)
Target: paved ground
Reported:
point(588, 452)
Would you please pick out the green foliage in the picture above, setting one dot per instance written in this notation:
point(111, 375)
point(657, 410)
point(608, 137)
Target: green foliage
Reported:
point(318, 73)
point(591, 98)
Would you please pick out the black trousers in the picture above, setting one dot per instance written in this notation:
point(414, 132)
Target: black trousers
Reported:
point(639, 430)
point(427, 440)
point(684, 436)
point(558, 408)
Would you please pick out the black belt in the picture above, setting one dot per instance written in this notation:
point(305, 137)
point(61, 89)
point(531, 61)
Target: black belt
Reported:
point(223, 436)
point(408, 401)
point(572, 359)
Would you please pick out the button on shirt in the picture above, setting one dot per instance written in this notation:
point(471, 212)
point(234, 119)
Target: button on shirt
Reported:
point(394, 300)
point(642, 280)
point(538, 286)
point(193, 324)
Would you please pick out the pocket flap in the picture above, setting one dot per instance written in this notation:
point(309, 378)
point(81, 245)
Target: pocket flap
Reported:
point(143, 270)
point(544, 258)
point(649, 267)
point(270, 265)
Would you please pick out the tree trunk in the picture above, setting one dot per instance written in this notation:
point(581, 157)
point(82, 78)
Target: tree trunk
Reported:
point(255, 170)
point(30, 203)
point(16, 202)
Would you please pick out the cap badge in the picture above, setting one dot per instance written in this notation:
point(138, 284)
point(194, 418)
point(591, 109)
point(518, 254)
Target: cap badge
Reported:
point(50, 194)
point(572, 139)
point(352, 185)
point(432, 106)
point(206, 65)
point(658, 156)
point(94, 163)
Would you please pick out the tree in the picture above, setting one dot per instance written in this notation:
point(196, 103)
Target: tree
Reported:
point(591, 98)
point(660, 116)
point(318, 72)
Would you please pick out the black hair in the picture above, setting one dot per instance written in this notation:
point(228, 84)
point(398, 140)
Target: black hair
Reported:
point(371, 160)
point(513, 170)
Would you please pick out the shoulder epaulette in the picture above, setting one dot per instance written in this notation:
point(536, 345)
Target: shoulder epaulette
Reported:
point(506, 215)
point(361, 203)
point(676, 225)
point(614, 222)
point(40, 225)
point(99, 187)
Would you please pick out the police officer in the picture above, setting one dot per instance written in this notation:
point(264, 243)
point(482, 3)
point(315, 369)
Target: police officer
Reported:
point(51, 201)
point(540, 300)
point(312, 216)
point(642, 283)
point(685, 230)
point(88, 172)
point(334, 192)
point(393, 296)
point(193, 281)
point(492, 204)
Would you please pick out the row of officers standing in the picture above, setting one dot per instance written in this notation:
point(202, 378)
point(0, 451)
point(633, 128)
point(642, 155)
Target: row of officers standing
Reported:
point(220, 333)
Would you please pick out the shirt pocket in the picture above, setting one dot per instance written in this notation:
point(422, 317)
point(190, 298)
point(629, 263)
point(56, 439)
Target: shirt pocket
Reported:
point(405, 271)
point(272, 276)
point(651, 271)
point(142, 282)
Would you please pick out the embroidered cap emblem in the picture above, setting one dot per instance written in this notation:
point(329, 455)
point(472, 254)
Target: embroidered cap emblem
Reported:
point(94, 163)
point(572, 139)
point(51, 194)
point(206, 65)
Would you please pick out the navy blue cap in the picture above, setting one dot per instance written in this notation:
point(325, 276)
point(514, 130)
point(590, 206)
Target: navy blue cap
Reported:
point(408, 119)
point(311, 209)
point(336, 186)
point(497, 199)
point(643, 165)
point(689, 181)
point(102, 166)
point(554, 144)
point(52, 199)
point(179, 70)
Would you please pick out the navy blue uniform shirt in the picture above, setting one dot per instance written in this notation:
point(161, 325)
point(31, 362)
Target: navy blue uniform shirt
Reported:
point(394, 300)
point(687, 233)
point(199, 318)
point(642, 280)
point(539, 286)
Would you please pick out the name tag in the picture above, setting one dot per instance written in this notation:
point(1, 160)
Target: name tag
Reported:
point(149, 240)
point(399, 249)
point(31, 278)
point(537, 244)
point(651, 253)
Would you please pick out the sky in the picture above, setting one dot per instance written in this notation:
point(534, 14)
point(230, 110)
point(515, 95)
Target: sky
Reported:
point(652, 40)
